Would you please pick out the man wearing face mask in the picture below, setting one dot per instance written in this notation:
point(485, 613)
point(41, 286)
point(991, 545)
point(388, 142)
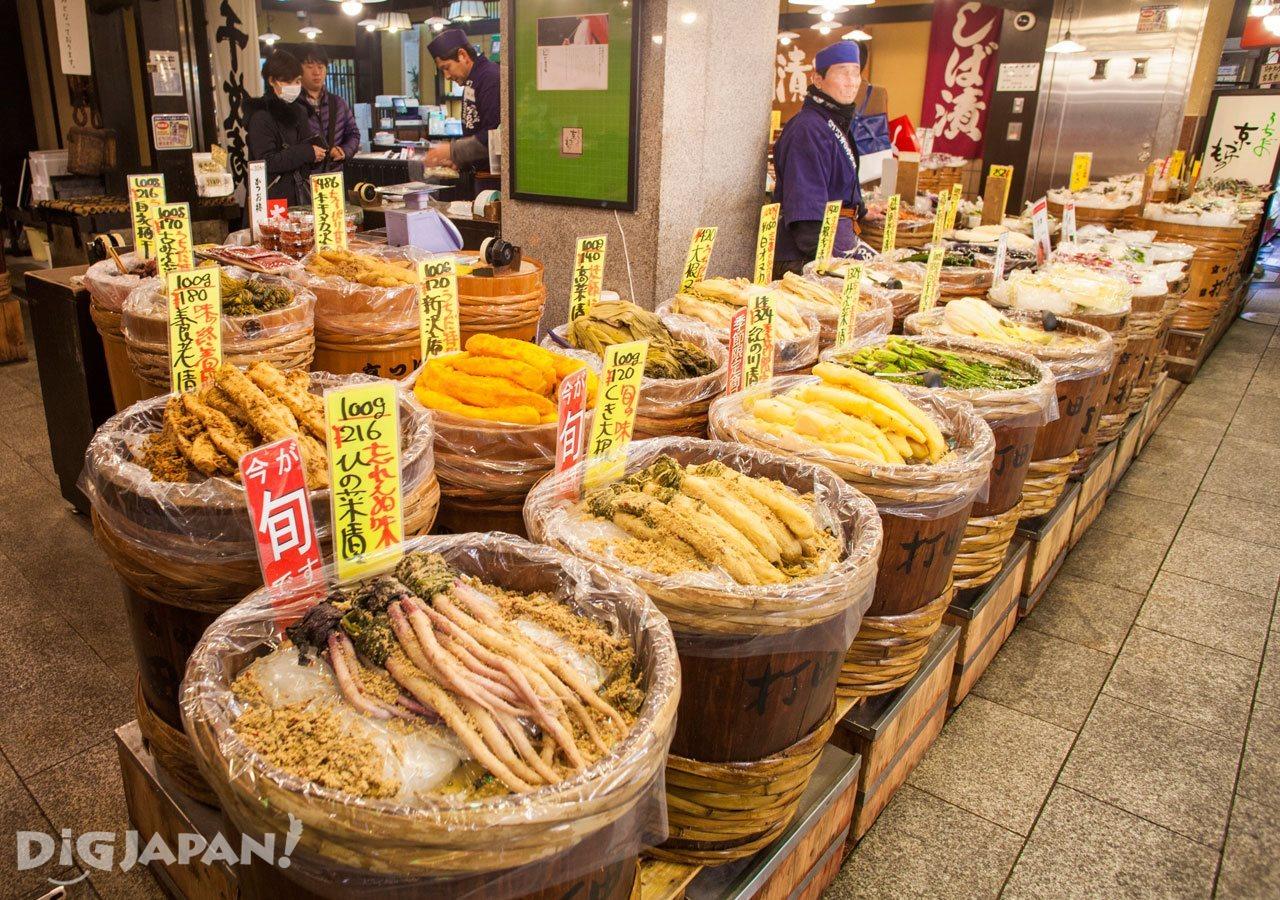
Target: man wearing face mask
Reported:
point(279, 133)
point(815, 160)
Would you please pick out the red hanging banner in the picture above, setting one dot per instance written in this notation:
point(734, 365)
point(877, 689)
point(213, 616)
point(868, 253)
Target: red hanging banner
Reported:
point(960, 75)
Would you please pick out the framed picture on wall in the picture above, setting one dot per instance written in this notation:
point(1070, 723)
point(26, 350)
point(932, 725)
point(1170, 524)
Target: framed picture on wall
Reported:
point(573, 83)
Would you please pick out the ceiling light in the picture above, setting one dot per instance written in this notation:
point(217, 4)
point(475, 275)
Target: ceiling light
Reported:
point(828, 16)
point(310, 31)
point(394, 22)
point(1066, 45)
point(1261, 9)
point(269, 38)
point(436, 23)
point(821, 28)
point(1271, 23)
point(368, 24)
point(786, 37)
point(466, 11)
point(856, 35)
point(688, 18)
point(352, 7)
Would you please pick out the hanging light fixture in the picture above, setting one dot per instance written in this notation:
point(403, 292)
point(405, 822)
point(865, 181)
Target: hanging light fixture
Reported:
point(786, 37)
point(394, 22)
point(352, 8)
point(821, 27)
point(368, 24)
point(1258, 10)
point(1066, 45)
point(269, 37)
point(1271, 23)
point(436, 23)
point(310, 31)
point(856, 35)
point(467, 11)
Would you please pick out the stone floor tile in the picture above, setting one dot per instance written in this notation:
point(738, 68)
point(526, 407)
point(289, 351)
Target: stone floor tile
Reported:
point(44, 651)
point(19, 812)
point(1204, 406)
point(1083, 848)
point(1235, 562)
point(1170, 773)
point(1086, 612)
point(1141, 517)
point(1192, 428)
point(995, 762)
point(1232, 516)
point(1260, 768)
point(1245, 469)
point(1146, 479)
point(1269, 677)
point(1207, 614)
point(1115, 559)
point(1251, 857)
point(1171, 451)
point(1188, 682)
point(1046, 677)
point(922, 847)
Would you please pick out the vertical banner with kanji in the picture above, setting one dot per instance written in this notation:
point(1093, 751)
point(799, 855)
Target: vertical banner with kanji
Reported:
point(329, 206)
point(588, 275)
point(171, 223)
point(960, 75)
point(363, 440)
point(698, 258)
point(439, 329)
point(758, 364)
point(145, 193)
point(766, 242)
point(571, 430)
point(195, 327)
point(616, 407)
point(275, 490)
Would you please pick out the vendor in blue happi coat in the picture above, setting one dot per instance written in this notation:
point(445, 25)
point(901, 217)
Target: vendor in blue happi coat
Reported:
point(815, 161)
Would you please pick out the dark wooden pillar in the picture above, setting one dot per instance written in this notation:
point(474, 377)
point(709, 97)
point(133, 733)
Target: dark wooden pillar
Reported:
point(116, 102)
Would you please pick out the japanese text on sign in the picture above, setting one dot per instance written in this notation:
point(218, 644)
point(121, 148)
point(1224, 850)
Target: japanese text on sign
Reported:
point(1040, 229)
point(329, 205)
point(438, 324)
point(1175, 165)
point(695, 264)
point(145, 193)
point(940, 217)
point(827, 234)
point(257, 196)
point(766, 242)
point(737, 351)
point(758, 364)
point(588, 275)
point(615, 411)
point(571, 433)
point(171, 223)
point(849, 293)
point(1081, 163)
point(1252, 137)
point(1002, 250)
point(953, 205)
point(1069, 221)
point(891, 223)
point(363, 437)
point(275, 490)
point(1006, 173)
point(963, 45)
point(932, 278)
point(195, 327)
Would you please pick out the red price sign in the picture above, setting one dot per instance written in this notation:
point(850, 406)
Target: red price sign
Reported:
point(737, 369)
point(280, 509)
point(571, 433)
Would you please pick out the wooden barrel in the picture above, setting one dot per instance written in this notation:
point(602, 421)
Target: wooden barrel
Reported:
point(504, 305)
point(1092, 215)
point(876, 307)
point(1211, 272)
point(1113, 397)
point(789, 356)
point(108, 290)
point(759, 664)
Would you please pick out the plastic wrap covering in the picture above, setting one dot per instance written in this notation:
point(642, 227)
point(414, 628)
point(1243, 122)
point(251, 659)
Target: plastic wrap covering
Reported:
point(670, 405)
point(875, 307)
point(909, 491)
point(204, 525)
point(107, 288)
point(711, 613)
point(284, 337)
point(788, 355)
point(359, 311)
point(955, 280)
point(1211, 212)
point(490, 847)
point(1015, 408)
point(1064, 289)
point(877, 286)
point(241, 238)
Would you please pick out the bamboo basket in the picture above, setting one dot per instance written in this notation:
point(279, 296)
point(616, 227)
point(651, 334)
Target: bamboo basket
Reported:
point(578, 837)
point(789, 356)
point(1092, 215)
point(108, 290)
point(873, 320)
point(1210, 272)
point(916, 233)
point(187, 552)
point(503, 305)
point(746, 741)
point(923, 509)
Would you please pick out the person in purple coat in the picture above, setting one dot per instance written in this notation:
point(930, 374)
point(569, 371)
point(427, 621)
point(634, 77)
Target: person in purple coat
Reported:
point(815, 160)
point(458, 60)
point(328, 115)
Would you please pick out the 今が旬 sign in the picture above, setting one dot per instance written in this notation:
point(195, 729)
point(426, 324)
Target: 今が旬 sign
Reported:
point(284, 530)
point(616, 407)
point(195, 327)
point(571, 428)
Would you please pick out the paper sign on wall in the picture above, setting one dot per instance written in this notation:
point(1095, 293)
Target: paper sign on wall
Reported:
point(698, 258)
point(766, 242)
point(171, 131)
point(195, 327)
point(257, 197)
point(362, 434)
point(171, 224)
point(438, 322)
point(849, 294)
point(1081, 163)
point(145, 193)
point(275, 491)
point(329, 205)
point(588, 275)
point(827, 233)
point(890, 238)
point(616, 407)
point(72, 24)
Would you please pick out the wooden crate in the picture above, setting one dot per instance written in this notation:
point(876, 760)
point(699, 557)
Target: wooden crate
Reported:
point(1095, 486)
point(13, 344)
point(1163, 393)
point(1047, 537)
point(986, 617)
point(1127, 446)
point(800, 862)
point(1185, 351)
point(893, 731)
point(157, 807)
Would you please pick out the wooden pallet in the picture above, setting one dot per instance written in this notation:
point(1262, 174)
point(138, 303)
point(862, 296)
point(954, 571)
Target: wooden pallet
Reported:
point(1095, 486)
point(892, 732)
point(1047, 537)
point(986, 617)
point(1127, 446)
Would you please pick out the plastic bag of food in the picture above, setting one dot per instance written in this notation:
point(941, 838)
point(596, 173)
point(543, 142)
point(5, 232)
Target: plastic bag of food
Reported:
point(108, 287)
point(820, 294)
point(715, 608)
point(377, 819)
point(264, 318)
point(1065, 289)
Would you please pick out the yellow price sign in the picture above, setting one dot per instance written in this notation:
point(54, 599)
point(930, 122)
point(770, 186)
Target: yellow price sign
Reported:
point(439, 330)
point(588, 275)
point(616, 407)
point(1081, 163)
point(362, 434)
point(940, 217)
point(171, 224)
point(1006, 173)
point(195, 327)
point(890, 239)
point(953, 206)
point(766, 242)
point(827, 234)
point(758, 362)
point(145, 193)
point(932, 279)
point(1175, 165)
point(329, 207)
point(698, 258)
point(850, 291)
point(1195, 172)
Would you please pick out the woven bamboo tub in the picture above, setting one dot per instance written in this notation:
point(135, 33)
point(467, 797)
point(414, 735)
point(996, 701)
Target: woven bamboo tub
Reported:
point(759, 664)
point(504, 305)
point(789, 356)
point(108, 290)
point(1211, 272)
point(901, 301)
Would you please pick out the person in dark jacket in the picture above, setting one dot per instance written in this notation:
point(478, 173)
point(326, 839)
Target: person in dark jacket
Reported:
point(279, 133)
point(328, 115)
point(458, 60)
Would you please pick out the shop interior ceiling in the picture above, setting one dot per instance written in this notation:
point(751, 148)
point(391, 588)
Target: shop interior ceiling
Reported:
point(1142, 106)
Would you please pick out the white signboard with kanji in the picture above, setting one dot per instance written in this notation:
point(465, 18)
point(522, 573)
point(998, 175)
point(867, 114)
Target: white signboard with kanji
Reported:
point(1244, 138)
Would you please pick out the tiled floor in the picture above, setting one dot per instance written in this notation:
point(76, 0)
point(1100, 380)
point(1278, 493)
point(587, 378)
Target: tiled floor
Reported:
point(1125, 742)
